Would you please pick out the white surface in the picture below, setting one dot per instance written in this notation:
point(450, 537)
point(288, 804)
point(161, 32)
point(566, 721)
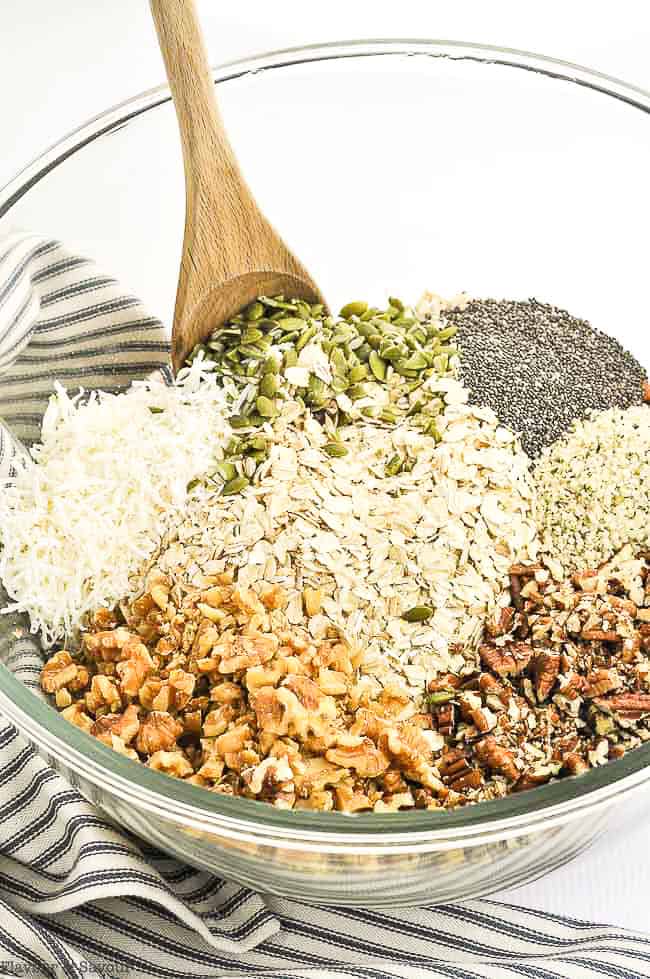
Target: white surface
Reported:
point(61, 63)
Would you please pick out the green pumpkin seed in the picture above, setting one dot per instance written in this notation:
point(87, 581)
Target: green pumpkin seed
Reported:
point(254, 312)
point(393, 466)
point(305, 337)
point(389, 415)
point(335, 449)
point(441, 697)
point(226, 470)
point(377, 365)
point(358, 373)
point(448, 333)
point(441, 363)
point(419, 613)
point(353, 309)
point(266, 407)
point(269, 385)
point(235, 485)
point(392, 352)
point(239, 421)
point(357, 391)
point(290, 323)
point(415, 362)
point(396, 303)
point(290, 357)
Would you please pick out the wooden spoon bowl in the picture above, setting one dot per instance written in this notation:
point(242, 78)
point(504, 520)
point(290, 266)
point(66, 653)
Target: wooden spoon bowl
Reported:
point(231, 254)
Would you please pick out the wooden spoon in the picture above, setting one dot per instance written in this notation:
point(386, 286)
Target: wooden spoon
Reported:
point(231, 254)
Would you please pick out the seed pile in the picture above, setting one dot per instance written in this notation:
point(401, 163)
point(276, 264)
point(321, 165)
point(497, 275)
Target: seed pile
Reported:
point(365, 363)
point(539, 368)
point(593, 489)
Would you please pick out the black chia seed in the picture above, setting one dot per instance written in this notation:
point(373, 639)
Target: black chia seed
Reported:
point(539, 368)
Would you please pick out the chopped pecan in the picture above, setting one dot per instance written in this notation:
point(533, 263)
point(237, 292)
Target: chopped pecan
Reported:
point(446, 719)
point(471, 779)
point(600, 682)
point(511, 659)
point(625, 702)
point(496, 757)
point(530, 780)
point(546, 669)
point(600, 635)
point(453, 764)
point(571, 685)
point(448, 681)
point(645, 392)
point(575, 764)
point(500, 622)
point(526, 570)
point(515, 592)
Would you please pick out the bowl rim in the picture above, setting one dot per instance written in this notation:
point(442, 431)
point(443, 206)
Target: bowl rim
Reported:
point(210, 812)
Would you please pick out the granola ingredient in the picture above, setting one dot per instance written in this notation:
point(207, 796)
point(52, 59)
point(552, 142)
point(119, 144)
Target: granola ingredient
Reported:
point(366, 363)
point(539, 368)
point(92, 500)
point(246, 702)
point(574, 695)
point(593, 488)
point(407, 560)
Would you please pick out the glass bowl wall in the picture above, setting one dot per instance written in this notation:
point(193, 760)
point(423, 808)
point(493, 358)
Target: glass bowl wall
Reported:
point(390, 167)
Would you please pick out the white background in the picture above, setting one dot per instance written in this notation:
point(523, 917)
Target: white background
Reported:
point(62, 62)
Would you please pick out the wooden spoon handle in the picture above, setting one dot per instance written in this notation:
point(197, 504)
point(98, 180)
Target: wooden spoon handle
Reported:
point(208, 157)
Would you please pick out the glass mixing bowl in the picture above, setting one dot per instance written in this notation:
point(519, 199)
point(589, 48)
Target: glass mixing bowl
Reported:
point(390, 167)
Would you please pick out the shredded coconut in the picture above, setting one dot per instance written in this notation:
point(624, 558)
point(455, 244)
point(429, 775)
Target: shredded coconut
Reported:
point(95, 497)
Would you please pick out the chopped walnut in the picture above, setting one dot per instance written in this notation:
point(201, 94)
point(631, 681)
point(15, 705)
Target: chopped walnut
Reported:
point(365, 758)
point(171, 762)
point(103, 694)
point(125, 725)
point(61, 672)
point(158, 732)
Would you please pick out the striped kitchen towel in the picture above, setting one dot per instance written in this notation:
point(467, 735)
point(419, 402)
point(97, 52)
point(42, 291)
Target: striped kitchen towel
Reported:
point(78, 895)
